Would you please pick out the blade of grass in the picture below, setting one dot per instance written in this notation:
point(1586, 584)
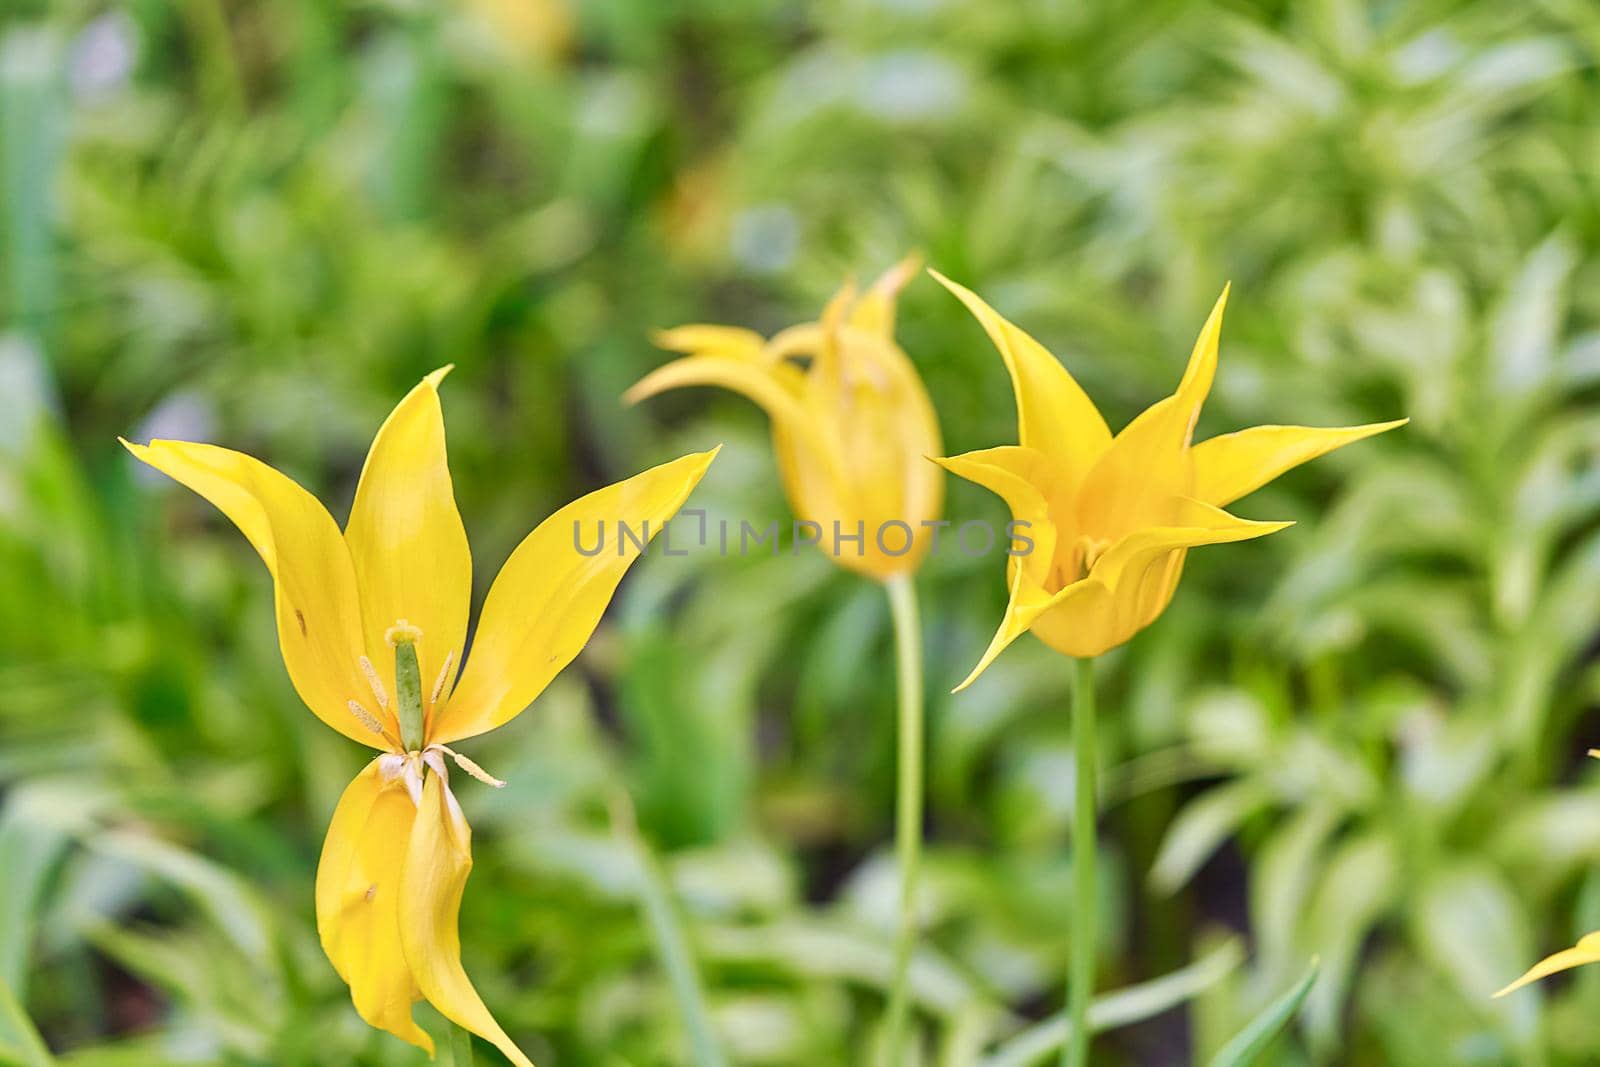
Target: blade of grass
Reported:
point(19, 1041)
point(672, 945)
point(1111, 1010)
point(1250, 1042)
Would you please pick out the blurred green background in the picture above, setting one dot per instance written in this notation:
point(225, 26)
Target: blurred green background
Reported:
point(259, 222)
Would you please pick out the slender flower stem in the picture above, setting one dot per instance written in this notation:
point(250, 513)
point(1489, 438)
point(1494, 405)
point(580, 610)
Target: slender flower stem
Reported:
point(908, 805)
point(1080, 978)
point(460, 1047)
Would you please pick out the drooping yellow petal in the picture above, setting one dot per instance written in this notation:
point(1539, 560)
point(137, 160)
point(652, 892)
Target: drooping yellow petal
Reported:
point(358, 901)
point(1027, 604)
point(438, 859)
point(406, 539)
point(550, 596)
point(710, 340)
point(770, 385)
point(314, 583)
point(1020, 477)
point(1587, 950)
point(1148, 465)
point(1054, 415)
point(1236, 464)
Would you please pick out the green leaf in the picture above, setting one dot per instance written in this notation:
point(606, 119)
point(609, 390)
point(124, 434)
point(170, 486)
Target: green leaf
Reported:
point(20, 1043)
point(1121, 1008)
point(1250, 1042)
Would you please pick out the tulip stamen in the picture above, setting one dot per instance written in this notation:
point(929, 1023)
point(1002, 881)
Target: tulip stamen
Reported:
point(444, 676)
point(375, 682)
point(472, 768)
point(371, 722)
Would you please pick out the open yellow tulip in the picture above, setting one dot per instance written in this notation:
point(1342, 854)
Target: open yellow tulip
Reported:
point(1108, 519)
point(387, 601)
point(851, 422)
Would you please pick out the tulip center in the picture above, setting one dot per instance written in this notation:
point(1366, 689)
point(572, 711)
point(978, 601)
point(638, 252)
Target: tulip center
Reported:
point(1089, 550)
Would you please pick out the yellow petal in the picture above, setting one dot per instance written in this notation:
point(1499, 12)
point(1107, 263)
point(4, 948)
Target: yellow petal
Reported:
point(705, 339)
point(768, 385)
point(1054, 415)
point(1233, 465)
point(1148, 464)
point(358, 900)
point(874, 312)
point(1027, 604)
point(314, 584)
point(406, 539)
point(1140, 574)
point(1587, 950)
point(549, 597)
point(438, 860)
point(1202, 367)
point(1019, 476)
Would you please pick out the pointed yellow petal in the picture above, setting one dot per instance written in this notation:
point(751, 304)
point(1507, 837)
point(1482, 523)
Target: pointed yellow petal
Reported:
point(874, 312)
point(1141, 575)
point(1587, 950)
point(438, 860)
point(1028, 604)
point(1148, 465)
point(1195, 523)
point(766, 384)
point(1202, 367)
point(1236, 464)
point(314, 584)
point(709, 340)
point(1019, 476)
point(1054, 415)
point(549, 597)
point(358, 900)
point(406, 539)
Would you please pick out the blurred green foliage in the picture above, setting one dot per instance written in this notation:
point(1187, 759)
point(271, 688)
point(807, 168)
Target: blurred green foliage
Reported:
point(258, 223)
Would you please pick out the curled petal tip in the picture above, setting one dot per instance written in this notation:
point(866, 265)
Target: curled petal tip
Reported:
point(439, 375)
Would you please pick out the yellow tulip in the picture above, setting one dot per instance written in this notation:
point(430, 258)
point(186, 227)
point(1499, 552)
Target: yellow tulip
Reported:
point(852, 425)
point(1109, 520)
point(386, 603)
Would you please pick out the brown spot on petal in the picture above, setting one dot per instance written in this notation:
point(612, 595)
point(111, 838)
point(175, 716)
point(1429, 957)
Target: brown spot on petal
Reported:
point(372, 891)
point(301, 619)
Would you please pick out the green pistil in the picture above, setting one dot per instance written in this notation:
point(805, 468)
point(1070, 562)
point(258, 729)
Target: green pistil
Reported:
point(408, 680)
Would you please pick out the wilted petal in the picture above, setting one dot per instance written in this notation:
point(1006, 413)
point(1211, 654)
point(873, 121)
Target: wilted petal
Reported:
point(549, 597)
point(314, 583)
point(1587, 950)
point(358, 900)
point(406, 539)
point(438, 860)
point(1054, 415)
point(1233, 465)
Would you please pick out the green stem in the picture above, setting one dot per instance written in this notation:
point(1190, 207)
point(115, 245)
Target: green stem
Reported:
point(908, 804)
point(1080, 977)
point(460, 1047)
